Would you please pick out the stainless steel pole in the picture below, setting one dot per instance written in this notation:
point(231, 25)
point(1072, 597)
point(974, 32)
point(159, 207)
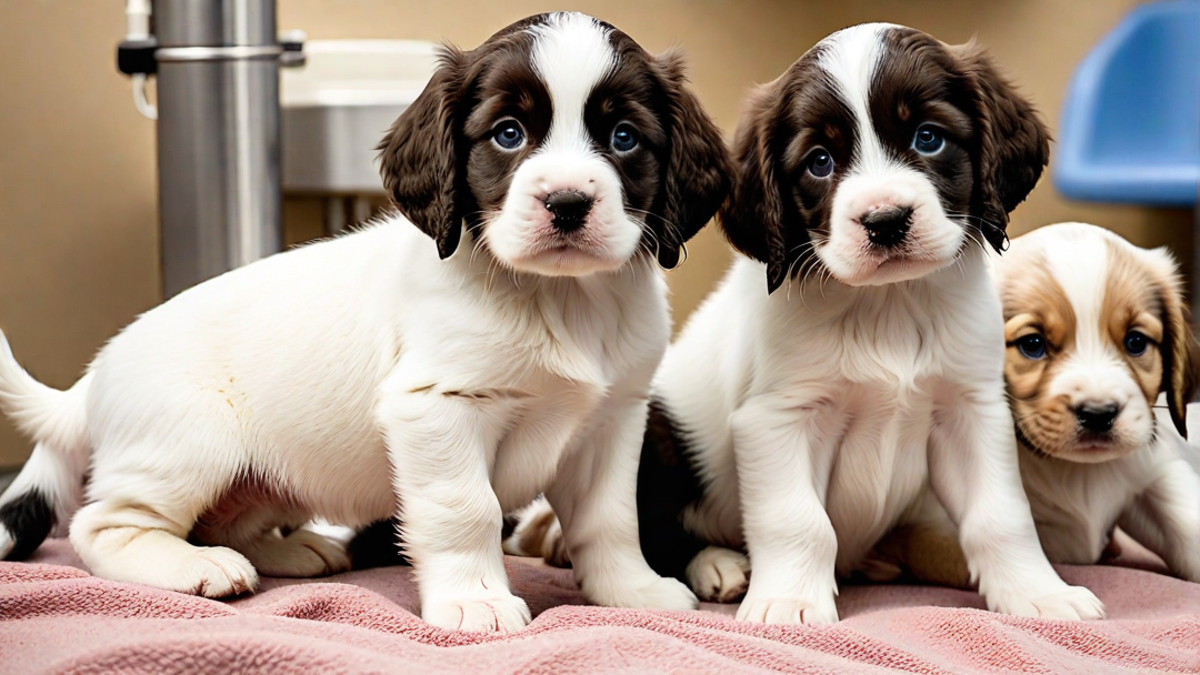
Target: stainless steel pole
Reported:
point(218, 136)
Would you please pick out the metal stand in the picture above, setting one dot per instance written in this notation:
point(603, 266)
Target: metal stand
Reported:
point(218, 137)
point(217, 65)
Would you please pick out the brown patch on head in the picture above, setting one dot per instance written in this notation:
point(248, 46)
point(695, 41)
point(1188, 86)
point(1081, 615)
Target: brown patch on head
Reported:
point(1177, 350)
point(923, 81)
point(777, 207)
point(1133, 304)
point(679, 187)
point(1035, 306)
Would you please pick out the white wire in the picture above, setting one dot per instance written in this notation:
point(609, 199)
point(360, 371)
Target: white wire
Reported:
point(147, 109)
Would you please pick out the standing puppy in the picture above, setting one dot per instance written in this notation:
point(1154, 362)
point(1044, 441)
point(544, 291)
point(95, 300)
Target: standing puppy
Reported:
point(554, 167)
point(871, 177)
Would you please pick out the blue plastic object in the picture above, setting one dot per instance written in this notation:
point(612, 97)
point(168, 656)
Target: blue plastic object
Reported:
point(1130, 130)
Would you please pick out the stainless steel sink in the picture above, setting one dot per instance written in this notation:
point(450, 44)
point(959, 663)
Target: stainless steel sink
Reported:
point(338, 106)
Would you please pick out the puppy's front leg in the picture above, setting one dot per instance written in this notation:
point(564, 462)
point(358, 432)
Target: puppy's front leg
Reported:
point(783, 467)
point(973, 471)
point(595, 497)
point(1166, 518)
point(440, 446)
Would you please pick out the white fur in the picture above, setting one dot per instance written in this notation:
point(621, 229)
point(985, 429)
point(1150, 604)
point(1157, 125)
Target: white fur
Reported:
point(343, 378)
point(832, 408)
point(572, 54)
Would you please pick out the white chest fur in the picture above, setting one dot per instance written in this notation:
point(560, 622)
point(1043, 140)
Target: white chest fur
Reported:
point(859, 373)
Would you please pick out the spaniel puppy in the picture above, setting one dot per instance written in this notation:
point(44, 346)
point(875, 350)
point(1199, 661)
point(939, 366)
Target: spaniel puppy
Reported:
point(554, 168)
point(1096, 330)
point(805, 422)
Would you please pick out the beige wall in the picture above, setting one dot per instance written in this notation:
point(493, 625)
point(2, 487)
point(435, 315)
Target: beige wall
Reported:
point(78, 241)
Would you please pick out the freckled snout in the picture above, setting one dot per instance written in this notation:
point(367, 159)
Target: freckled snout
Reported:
point(887, 226)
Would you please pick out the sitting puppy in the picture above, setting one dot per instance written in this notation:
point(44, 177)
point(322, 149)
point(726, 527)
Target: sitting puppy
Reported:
point(812, 417)
point(1096, 330)
point(449, 379)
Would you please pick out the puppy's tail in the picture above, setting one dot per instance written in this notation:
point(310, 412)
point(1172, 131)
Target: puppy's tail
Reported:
point(49, 487)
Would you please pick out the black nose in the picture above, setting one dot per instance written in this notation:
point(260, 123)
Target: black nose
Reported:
point(887, 226)
point(1097, 418)
point(568, 209)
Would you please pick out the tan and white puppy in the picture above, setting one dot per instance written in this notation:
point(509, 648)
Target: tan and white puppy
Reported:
point(804, 420)
point(1096, 330)
point(554, 168)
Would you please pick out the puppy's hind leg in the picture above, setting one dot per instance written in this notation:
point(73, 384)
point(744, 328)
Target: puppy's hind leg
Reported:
point(277, 545)
point(142, 539)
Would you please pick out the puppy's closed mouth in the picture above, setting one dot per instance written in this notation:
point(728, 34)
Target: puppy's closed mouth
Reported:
point(1088, 440)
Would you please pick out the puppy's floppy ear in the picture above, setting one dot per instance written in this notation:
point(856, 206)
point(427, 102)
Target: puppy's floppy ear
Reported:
point(1180, 353)
point(696, 178)
point(419, 156)
point(753, 218)
point(1014, 144)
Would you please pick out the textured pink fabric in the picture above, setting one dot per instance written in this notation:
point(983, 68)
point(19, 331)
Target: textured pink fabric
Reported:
point(54, 617)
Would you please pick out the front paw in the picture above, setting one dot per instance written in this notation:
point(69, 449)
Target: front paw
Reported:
point(719, 574)
point(788, 611)
point(494, 614)
point(1070, 603)
point(654, 592)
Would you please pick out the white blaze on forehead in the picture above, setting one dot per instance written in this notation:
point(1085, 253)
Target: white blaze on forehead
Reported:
point(850, 57)
point(572, 53)
point(1078, 260)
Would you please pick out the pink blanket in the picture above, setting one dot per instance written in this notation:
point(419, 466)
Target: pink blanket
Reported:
point(54, 617)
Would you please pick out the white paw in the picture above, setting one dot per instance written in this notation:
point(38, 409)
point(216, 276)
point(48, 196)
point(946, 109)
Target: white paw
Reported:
point(7, 542)
point(1072, 603)
point(788, 611)
point(653, 592)
point(496, 614)
point(301, 554)
point(218, 572)
point(719, 574)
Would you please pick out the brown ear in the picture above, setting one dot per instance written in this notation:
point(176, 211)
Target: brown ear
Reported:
point(1014, 144)
point(1179, 355)
point(753, 218)
point(697, 176)
point(418, 157)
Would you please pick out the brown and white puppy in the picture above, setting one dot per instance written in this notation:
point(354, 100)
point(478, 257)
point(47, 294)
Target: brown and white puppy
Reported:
point(802, 421)
point(1096, 332)
point(556, 168)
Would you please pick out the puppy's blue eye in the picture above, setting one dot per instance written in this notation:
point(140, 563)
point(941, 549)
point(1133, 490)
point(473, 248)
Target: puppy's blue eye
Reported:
point(820, 163)
point(928, 141)
point(508, 135)
point(624, 138)
point(1136, 343)
point(1032, 347)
